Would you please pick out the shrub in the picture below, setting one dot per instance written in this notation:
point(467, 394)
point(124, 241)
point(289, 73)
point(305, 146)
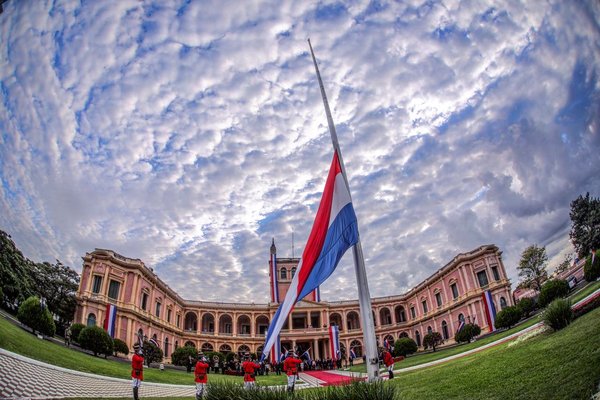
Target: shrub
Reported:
point(181, 355)
point(558, 314)
point(120, 346)
point(37, 318)
point(467, 333)
point(75, 331)
point(404, 346)
point(508, 317)
point(152, 353)
point(591, 272)
point(551, 290)
point(96, 340)
point(587, 307)
point(432, 340)
point(526, 305)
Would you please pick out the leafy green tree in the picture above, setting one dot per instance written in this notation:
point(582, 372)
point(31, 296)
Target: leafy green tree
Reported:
point(565, 264)
point(467, 333)
point(15, 273)
point(75, 331)
point(181, 355)
point(432, 340)
point(532, 266)
point(508, 317)
point(591, 271)
point(526, 305)
point(404, 346)
point(152, 353)
point(38, 318)
point(558, 314)
point(120, 346)
point(551, 290)
point(96, 340)
point(57, 283)
point(585, 231)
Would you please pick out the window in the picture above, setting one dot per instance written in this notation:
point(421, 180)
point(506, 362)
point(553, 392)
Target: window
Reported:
point(168, 316)
point(445, 330)
point(483, 279)
point(144, 301)
point(454, 290)
point(438, 299)
point(418, 338)
point(502, 303)
point(495, 273)
point(424, 302)
point(429, 330)
point(97, 285)
point(283, 273)
point(166, 347)
point(158, 304)
point(113, 290)
point(293, 272)
point(178, 319)
point(91, 320)
point(412, 313)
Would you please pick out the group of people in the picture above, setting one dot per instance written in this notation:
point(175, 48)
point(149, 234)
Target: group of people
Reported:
point(248, 366)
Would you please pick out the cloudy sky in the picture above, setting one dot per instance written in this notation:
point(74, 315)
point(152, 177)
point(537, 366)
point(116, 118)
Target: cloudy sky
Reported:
point(190, 133)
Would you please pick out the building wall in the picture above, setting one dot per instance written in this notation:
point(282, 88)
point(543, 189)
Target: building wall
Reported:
point(238, 326)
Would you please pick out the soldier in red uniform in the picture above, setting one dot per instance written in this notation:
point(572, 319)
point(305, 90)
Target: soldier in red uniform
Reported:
point(249, 367)
point(200, 372)
point(290, 366)
point(137, 370)
point(388, 360)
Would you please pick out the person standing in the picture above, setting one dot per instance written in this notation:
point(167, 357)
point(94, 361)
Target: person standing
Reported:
point(201, 375)
point(249, 367)
point(388, 360)
point(290, 366)
point(137, 370)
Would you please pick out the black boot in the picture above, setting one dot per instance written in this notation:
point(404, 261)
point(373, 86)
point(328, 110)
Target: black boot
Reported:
point(135, 393)
point(391, 374)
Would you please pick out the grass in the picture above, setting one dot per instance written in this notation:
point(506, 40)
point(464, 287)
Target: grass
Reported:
point(20, 341)
point(587, 290)
point(560, 365)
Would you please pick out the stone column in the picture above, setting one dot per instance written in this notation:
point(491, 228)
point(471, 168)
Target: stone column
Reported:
point(316, 349)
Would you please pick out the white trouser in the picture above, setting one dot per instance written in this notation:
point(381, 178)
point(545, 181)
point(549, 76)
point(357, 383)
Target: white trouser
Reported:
point(136, 383)
point(200, 389)
point(249, 384)
point(291, 380)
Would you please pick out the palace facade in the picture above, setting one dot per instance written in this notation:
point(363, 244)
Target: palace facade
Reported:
point(147, 305)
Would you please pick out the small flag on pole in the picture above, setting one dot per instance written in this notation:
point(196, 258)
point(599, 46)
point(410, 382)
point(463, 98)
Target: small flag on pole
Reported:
point(352, 354)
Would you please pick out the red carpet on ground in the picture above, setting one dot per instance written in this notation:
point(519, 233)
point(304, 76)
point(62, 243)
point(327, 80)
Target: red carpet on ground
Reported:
point(332, 379)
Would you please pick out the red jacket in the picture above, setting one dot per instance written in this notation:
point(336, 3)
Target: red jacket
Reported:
point(387, 358)
point(249, 369)
point(290, 365)
point(200, 372)
point(137, 367)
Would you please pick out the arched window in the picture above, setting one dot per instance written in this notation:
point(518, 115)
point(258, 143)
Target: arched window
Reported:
point(190, 344)
point(352, 320)
point(502, 303)
point(176, 344)
point(206, 347)
point(191, 321)
point(445, 330)
point(400, 314)
point(418, 338)
point(225, 348)
point(461, 318)
point(243, 349)
point(166, 347)
point(293, 272)
point(91, 320)
point(429, 330)
point(403, 334)
point(283, 273)
point(356, 346)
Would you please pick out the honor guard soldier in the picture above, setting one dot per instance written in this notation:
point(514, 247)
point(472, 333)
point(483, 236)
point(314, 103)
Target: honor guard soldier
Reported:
point(201, 375)
point(249, 367)
point(290, 366)
point(388, 360)
point(137, 370)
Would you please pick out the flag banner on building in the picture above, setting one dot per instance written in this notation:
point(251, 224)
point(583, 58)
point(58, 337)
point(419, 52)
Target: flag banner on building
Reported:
point(274, 284)
point(334, 342)
point(154, 342)
point(334, 231)
point(111, 319)
point(490, 310)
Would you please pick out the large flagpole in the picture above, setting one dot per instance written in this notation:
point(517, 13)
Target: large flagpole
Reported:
point(364, 299)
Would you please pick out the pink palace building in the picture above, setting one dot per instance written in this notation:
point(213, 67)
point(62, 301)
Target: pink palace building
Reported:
point(459, 291)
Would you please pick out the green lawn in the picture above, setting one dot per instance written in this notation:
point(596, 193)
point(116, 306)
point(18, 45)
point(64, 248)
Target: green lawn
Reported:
point(19, 341)
point(559, 365)
point(587, 290)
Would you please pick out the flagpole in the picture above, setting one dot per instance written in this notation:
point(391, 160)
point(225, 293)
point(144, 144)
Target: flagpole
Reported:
point(364, 298)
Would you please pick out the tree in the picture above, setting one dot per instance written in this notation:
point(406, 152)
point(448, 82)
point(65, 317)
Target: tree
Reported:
point(532, 266)
point(181, 355)
point(57, 283)
point(404, 346)
point(37, 317)
point(526, 305)
point(152, 353)
point(432, 340)
point(75, 331)
point(585, 231)
point(15, 273)
point(591, 270)
point(467, 333)
point(120, 346)
point(96, 340)
point(565, 264)
point(508, 317)
point(551, 290)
